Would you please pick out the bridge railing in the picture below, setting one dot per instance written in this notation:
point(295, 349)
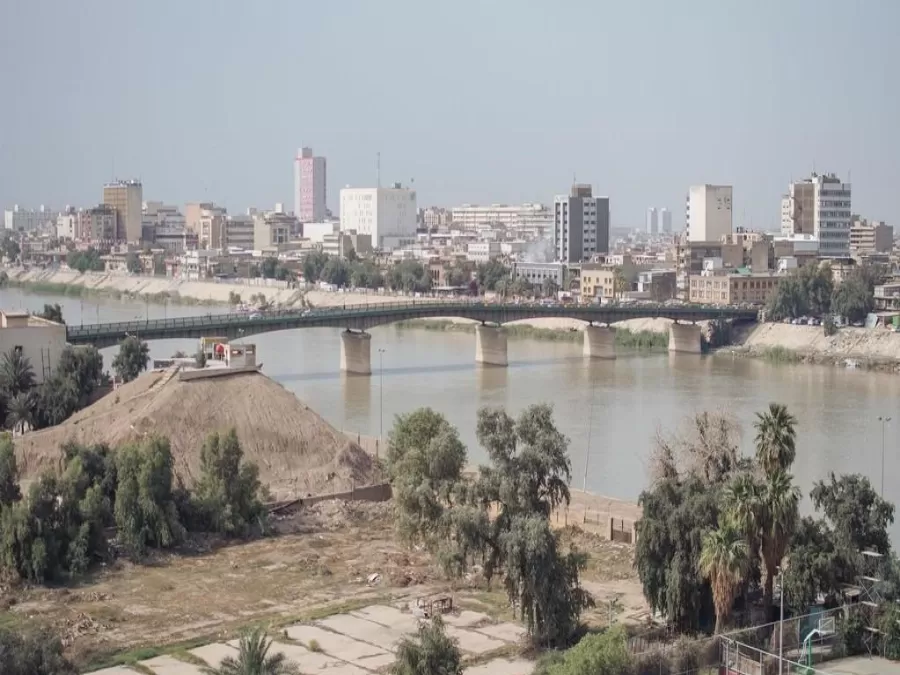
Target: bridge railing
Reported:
point(236, 319)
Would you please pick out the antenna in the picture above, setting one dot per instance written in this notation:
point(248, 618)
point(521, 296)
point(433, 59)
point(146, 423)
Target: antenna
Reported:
point(377, 169)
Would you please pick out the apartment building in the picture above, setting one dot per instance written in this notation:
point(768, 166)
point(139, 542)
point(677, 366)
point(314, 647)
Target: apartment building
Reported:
point(127, 198)
point(819, 206)
point(580, 224)
point(27, 220)
point(101, 224)
point(867, 238)
point(310, 187)
point(388, 215)
point(483, 251)
point(470, 216)
point(598, 282)
point(709, 212)
point(732, 288)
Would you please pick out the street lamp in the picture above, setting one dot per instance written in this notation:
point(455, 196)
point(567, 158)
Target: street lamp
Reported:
point(884, 421)
point(381, 397)
point(781, 621)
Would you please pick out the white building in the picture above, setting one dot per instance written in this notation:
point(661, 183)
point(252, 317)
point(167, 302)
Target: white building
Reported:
point(665, 221)
point(709, 212)
point(310, 187)
point(652, 222)
point(388, 215)
point(831, 217)
point(580, 224)
point(70, 225)
point(470, 216)
point(316, 231)
point(483, 251)
point(27, 220)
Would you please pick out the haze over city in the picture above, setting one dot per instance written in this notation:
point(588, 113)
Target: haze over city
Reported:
point(477, 102)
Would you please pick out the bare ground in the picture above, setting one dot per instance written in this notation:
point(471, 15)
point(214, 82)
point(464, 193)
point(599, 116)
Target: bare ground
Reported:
point(322, 563)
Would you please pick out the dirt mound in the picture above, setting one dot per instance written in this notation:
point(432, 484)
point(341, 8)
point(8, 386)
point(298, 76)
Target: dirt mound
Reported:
point(298, 452)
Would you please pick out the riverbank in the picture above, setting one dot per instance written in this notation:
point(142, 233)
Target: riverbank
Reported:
point(867, 348)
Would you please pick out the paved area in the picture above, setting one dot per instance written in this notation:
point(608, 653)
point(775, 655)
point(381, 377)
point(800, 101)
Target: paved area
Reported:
point(361, 642)
point(861, 665)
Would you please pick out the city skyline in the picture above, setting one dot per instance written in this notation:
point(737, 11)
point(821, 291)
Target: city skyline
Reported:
point(722, 71)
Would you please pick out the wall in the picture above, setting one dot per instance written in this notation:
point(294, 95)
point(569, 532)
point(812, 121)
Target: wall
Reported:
point(367, 493)
point(41, 344)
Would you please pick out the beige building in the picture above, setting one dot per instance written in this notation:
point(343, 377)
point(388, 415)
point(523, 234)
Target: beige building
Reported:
point(598, 281)
point(239, 232)
point(868, 238)
point(40, 341)
point(100, 224)
point(271, 230)
point(732, 289)
point(127, 198)
point(798, 209)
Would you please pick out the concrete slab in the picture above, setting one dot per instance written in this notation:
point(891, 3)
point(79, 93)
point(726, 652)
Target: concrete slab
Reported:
point(390, 617)
point(115, 670)
point(860, 665)
point(167, 665)
point(314, 662)
point(333, 644)
point(376, 662)
point(214, 653)
point(474, 642)
point(466, 618)
point(363, 630)
point(509, 632)
point(502, 667)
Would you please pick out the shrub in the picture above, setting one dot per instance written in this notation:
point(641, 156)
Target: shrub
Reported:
point(31, 653)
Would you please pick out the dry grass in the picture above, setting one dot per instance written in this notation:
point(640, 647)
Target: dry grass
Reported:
point(298, 452)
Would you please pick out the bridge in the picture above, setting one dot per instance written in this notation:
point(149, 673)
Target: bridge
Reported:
point(355, 320)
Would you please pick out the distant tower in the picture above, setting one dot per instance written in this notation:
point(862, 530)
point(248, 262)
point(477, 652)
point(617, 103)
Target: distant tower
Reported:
point(665, 221)
point(652, 222)
point(310, 187)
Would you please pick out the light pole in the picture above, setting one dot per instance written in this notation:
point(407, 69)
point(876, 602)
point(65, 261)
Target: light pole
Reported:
point(781, 621)
point(381, 398)
point(884, 420)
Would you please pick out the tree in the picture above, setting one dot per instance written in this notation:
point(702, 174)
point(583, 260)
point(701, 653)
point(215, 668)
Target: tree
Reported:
point(365, 274)
point(84, 366)
point(549, 287)
point(459, 274)
point(431, 652)
point(10, 248)
point(52, 313)
point(313, 265)
point(780, 507)
point(603, 653)
point(489, 274)
point(860, 518)
point(854, 298)
point(145, 511)
point(19, 412)
point(724, 561)
point(9, 473)
point(253, 658)
point(817, 565)
point(743, 503)
point(55, 401)
point(409, 276)
point(425, 459)
point(131, 360)
point(16, 374)
point(31, 653)
point(228, 492)
point(336, 272)
point(133, 263)
point(775, 439)
point(200, 359)
point(268, 267)
point(805, 291)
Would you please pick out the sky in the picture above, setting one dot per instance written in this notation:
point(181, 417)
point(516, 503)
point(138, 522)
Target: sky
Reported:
point(473, 101)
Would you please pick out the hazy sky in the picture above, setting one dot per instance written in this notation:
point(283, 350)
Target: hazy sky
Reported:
point(478, 101)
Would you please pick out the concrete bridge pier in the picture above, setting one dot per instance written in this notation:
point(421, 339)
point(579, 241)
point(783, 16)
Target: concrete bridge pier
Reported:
point(490, 345)
point(599, 342)
point(684, 337)
point(356, 352)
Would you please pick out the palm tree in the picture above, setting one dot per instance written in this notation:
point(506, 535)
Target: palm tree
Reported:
point(725, 563)
point(775, 437)
point(743, 504)
point(253, 658)
point(781, 500)
point(16, 373)
point(19, 412)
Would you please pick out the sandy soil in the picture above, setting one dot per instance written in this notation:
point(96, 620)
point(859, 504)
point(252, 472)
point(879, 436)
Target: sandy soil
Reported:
point(320, 565)
point(296, 450)
point(851, 342)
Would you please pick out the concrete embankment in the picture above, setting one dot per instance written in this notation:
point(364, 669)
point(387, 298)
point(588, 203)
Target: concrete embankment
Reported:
point(867, 347)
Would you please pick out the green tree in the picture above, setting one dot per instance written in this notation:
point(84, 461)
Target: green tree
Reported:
point(254, 659)
point(743, 502)
point(52, 313)
point(603, 653)
point(10, 248)
point(409, 276)
point(817, 566)
point(775, 439)
point(32, 653)
point(9, 473)
point(268, 267)
point(55, 400)
point(780, 500)
point(365, 274)
point(16, 374)
point(131, 360)
point(489, 274)
point(83, 365)
point(725, 563)
point(19, 415)
point(313, 265)
point(228, 492)
point(459, 274)
point(431, 652)
point(549, 288)
point(854, 298)
point(859, 516)
point(145, 511)
point(425, 459)
point(133, 263)
point(336, 272)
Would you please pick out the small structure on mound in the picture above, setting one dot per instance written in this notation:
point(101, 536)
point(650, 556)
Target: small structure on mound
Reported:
point(298, 453)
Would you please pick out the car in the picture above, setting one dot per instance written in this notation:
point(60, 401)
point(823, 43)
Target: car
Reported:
point(256, 315)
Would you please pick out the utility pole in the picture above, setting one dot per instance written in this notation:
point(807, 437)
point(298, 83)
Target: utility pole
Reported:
point(884, 421)
point(781, 622)
point(587, 450)
point(381, 397)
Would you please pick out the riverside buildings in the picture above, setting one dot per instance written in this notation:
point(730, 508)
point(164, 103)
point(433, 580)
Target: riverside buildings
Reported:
point(310, 187)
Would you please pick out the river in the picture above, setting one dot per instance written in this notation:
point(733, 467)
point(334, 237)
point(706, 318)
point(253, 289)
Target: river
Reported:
point(634, 396)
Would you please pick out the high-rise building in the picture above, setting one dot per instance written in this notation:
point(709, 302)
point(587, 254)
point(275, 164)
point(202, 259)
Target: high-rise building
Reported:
point(310, 187)
point(27, 220)
point(387, 214)
point(580, 224)
point(652, 222)
point(819, 206)
point(709, 212)
point(127, 198)
point(665, 221)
